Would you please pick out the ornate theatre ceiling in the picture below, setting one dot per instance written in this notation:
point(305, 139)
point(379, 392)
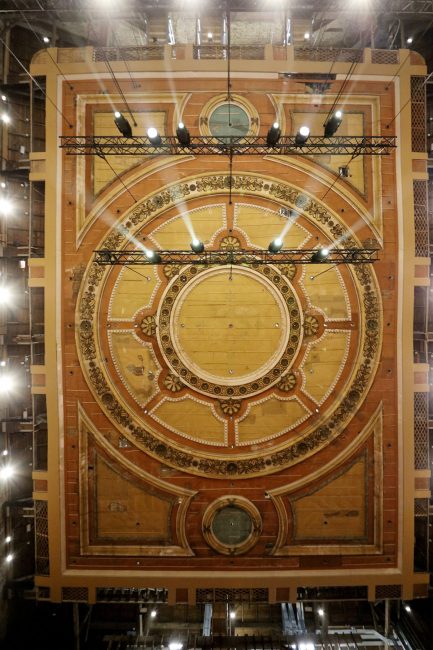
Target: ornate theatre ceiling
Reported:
point(213, 411)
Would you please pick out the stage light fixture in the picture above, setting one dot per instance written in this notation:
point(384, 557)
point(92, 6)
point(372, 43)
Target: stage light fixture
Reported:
point(320, 255)
point(197, 246)
point(153, 256)
point(344, 172)
point(46, 39)
point(9, 558)
point(154, 137)
point(409, 40)
point(276, 245)
point(183, 135)
point(8, 539)
point(175, 645)
point(5, 118)
point(333, 123)
point(153, 613)
point(6, 472)
point(302, 136)
point(122, 124)
point(5, 295)
point(274, 134)
point(4, 98)
point(232, 615)
point(5, 207)
point(320, 612)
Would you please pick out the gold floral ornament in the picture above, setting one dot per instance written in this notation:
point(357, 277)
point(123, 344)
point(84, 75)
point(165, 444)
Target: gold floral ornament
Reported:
point(173, 383)
point(287, 383)
point(288, 270)
point(311, 325)
point(230, 406)
point(230, 243)
point(148, 325)
point(170, 270)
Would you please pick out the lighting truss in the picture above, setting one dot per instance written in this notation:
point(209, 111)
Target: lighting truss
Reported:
point(238, 257)
point(102, 146)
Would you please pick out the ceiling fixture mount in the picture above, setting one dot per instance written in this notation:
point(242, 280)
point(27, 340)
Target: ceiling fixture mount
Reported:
point(302, 136)
point(274, 134)
point(122, 124)
point(332, 124)
point(154, 137)
point(183, 135)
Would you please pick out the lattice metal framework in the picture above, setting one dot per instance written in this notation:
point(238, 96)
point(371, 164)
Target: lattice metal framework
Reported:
point(421, 218)
point(420, 407)
point(418, 115)
point(113, 145)
point(388, 591)
point(107, 257)
point(232, 595)
point(75, 594)
point(41, 538)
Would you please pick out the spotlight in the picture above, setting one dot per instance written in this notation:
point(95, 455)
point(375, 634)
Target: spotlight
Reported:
point(274, 134)
point(333, 123)
point(276, 245)
point(154, 136)
point(6, 384)
point(409, 40)
point(122, 124)
point(5, 295)
point(6, 472)
point(4, 98)
point(5, 207)
point(344, 172)
point(232, 615)
point(175, 645)
point(197, 246)
point(8, 539)
point(209, 36)
point(302, 136)
point(46, 39)
point(5, 452)
point(153, 256)
point(320, 255)
point(9, 558)
point(153, 613)
point(5, 118)
point(407, 608)
point(183, 135)
point(320, 612)
point(307, 36)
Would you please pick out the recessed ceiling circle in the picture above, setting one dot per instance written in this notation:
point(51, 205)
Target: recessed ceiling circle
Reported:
point(231, 525)
point(234, 348)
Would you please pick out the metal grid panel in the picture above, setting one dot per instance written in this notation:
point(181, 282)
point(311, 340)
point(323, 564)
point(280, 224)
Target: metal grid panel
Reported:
point(385, 56)
point(303, 53)
point(232, 596)
point(388, 591)
point(420, 407)
point(143, 53)
point(248, 52)
point(421, 507)
point(418, 113)
point(41, 538)
point(75, 594)
point(130, 595)
point(421, 218)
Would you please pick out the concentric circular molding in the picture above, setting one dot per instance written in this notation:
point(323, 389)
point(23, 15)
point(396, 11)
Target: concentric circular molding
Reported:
point(235, 463)
point(231, 525)
point(169, 331)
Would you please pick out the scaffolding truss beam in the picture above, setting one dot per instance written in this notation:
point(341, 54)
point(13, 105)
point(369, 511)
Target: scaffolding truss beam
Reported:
point(208, 146)
point(244, 257)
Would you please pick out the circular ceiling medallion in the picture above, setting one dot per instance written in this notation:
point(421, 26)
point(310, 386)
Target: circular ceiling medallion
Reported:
point(229, 120)
point(231, 525)
point(229, 333)
point(228, 371)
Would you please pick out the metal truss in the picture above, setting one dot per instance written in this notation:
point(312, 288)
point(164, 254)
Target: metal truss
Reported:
point(252, 258)
point(140, 146)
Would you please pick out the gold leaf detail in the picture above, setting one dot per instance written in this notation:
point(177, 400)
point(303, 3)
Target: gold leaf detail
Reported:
point(287, 383)
point(148, 325)
point(173, 383)
point(230, 406)
point(230, 243)
point(311, 325)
